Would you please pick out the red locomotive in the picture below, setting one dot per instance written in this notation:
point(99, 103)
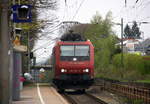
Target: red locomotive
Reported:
point(73, 63)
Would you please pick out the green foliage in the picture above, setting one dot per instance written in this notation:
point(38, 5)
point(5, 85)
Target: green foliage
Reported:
point(135, 67)
point(144, 81)
point(137, 101)
point(107, 54)
point(127, 32)
point(131, 61)
point(96, 18)
point(132, 101)
point(146, 60)
point(133, 32)
point(101, 35)
point(103, 38)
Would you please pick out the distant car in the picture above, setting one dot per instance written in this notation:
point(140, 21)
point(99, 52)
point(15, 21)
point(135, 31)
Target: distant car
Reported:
point(73, 64)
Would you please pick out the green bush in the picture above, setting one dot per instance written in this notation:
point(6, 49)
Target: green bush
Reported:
point(134, 65)
point(146, 60)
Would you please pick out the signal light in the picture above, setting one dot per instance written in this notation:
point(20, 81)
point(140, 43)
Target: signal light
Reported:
point(21, 13)
point(31, 55)
point(18, 31)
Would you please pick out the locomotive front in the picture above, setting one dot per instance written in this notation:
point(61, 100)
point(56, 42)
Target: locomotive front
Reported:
point(74, 67)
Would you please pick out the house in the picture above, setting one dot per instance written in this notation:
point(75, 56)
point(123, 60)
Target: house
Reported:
point(132, 46)
point(146, 46)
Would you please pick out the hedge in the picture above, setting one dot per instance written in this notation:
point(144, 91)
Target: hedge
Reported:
point(133, 62)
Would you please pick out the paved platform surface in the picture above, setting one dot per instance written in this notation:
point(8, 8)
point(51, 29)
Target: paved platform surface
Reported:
point(40, 94)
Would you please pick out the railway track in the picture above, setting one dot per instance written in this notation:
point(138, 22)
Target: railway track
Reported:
point(78, 98)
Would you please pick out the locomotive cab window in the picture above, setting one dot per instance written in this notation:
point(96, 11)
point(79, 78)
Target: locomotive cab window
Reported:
point(81, 50)
point(68, 52)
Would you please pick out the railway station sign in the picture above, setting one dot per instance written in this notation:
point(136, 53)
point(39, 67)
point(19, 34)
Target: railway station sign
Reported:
point(21, 13)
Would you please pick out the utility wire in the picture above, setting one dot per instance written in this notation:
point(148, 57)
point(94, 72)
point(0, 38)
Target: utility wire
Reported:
point(119, 13)
point(136, 1)
point(145, 18)
point(43, 45)
point(78, 9)
point(143, 7)
point(44, 51)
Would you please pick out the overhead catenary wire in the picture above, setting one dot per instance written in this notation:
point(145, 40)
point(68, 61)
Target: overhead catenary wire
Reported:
point(140, 4)
point(140, 8)
point(57, 27)
point(43, 51)
point(52, 30)
point(78, 9)
point(143, 19)
point(119, 13)
point(45, 44)
point(136, 9)
point(144, 6)
point(136, 1)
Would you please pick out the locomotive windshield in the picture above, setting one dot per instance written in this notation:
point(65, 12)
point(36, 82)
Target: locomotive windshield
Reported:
point(81, 50)
point(76, 50)
point(68, 52)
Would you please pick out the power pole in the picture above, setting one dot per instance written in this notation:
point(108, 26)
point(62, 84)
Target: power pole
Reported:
point(5, 97)
point(121, 25)
point(122, 43)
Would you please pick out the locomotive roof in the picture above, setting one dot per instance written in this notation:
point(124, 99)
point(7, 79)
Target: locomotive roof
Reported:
point(73, 37)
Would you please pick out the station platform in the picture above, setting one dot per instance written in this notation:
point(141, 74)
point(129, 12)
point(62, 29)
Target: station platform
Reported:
point(40, 94)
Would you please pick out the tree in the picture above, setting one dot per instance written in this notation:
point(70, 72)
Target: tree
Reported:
point(102, 36)
point(97, 19)
point(39, 6)
point(127, 32)
point(133, 32)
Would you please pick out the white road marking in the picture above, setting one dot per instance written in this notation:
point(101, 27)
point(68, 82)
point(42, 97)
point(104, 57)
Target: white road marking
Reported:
point(39, 94)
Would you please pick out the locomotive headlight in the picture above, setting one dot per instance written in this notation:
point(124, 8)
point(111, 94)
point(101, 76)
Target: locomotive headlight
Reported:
point(86, 70)
point(63, 70)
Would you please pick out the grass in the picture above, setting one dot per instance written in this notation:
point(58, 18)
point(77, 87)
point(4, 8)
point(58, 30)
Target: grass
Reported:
point(143, 81)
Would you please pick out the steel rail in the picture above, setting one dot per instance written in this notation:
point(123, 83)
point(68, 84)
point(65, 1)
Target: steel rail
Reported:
point(69, 98)
point(73, 101)
point(95, 98)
